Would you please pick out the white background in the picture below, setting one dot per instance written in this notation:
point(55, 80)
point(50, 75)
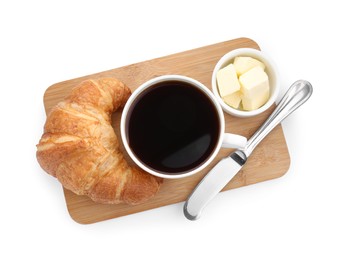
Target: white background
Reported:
point(302, 215)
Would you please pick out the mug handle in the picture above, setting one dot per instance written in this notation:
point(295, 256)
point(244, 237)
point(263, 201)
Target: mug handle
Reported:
point(233, 141)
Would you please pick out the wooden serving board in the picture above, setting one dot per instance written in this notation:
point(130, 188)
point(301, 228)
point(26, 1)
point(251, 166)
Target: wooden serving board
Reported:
point(269, 160)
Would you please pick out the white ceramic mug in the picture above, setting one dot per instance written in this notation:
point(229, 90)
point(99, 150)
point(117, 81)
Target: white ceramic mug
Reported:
point(226, 140)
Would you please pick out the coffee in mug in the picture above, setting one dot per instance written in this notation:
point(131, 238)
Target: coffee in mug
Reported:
point(172, 127)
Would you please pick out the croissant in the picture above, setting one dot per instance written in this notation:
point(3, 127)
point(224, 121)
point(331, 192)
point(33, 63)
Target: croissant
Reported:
point(79, 146)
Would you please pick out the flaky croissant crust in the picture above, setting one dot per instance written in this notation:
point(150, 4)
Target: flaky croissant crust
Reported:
point(79, 146)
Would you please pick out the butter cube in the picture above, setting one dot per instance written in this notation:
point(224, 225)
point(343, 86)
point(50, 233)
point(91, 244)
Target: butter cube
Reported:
point(253, 103)
point(227, 81)
point(255, 88)
point(243, 64)
point(233, 100)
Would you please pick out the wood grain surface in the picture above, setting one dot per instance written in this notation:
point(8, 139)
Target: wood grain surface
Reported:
point(269, 160)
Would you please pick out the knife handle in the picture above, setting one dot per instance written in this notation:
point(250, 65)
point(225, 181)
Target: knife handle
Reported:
point(209, 187)
point(298, 93)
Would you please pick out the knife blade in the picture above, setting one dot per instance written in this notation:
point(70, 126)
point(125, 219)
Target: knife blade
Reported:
point(221, 174)
point(213, 183)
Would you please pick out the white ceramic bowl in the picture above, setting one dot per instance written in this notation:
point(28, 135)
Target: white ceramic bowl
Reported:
point(270, 70)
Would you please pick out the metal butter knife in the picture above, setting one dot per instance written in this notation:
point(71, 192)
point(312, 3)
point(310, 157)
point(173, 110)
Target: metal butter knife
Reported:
point(227, 168)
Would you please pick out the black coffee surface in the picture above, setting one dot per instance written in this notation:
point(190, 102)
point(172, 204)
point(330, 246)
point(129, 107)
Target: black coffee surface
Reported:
point(173, 127)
